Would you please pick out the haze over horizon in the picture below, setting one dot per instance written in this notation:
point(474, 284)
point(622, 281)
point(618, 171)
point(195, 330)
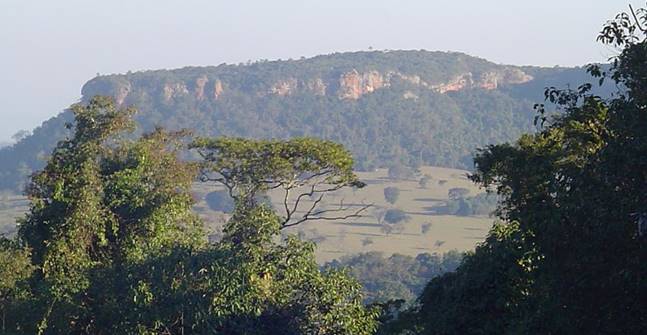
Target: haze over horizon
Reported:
point(51, 49)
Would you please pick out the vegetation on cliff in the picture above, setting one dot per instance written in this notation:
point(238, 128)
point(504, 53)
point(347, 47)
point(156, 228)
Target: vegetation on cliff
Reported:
point(396, 107)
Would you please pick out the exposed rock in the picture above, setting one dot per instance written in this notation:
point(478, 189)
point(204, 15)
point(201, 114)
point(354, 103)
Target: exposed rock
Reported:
point(200, 83)
point(174, 90)
point(410, 95)
point(459, 83)
point(489, 80)
point(353, 85)
point(492, 80)
point(217, 89)
point(121, 92)
point(317, 86)
point(284, 87)
point(413, 79)
point(515, 76)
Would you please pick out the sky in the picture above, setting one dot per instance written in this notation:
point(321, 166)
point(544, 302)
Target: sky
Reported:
point(49, 49)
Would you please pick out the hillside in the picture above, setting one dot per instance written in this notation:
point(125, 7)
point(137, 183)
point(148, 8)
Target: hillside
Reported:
point(415, 107)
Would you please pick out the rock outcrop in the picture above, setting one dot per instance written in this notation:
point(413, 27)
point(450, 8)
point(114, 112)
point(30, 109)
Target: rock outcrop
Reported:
point(285, 87)
point(459, 83)
point(352, 85)
point(174, 90)
point(317, 86)
point(218, 89)
point(491, 80)
point(349, 85)
point(122, 92)
point(200, 83)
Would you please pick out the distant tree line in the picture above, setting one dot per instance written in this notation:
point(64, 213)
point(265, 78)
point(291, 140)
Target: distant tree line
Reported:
point(397, 277)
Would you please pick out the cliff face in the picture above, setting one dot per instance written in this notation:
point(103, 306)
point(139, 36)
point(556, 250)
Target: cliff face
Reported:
point(199, 87)
point(217, 89)
point(352, 85)
point(348, 82)
point(284, 87)
point(174, 90)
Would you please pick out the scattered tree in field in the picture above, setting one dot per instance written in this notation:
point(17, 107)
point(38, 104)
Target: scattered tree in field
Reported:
point(457, 193)
point(391, 194)
point(425, 228)
point(395, 216)
point(392, 228)
point(425, 181)
point(366, 241)
point(220, 201)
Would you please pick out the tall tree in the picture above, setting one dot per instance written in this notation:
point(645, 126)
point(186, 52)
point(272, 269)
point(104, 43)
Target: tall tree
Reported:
point(573, 198)
point(305, 170)
point(98, 205)
point(116, 249)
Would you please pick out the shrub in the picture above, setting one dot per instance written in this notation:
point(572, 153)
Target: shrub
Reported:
point(394, 216)
point(220, 201)
point(391, 194)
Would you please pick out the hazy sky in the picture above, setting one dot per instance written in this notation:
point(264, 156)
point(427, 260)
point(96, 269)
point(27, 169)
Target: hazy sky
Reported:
point(48, 49)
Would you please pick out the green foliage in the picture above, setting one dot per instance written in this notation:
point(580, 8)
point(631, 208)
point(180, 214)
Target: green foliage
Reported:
point(112, 247)
point(395, 216)
point(398, 276)
point(391, 194)
point(457, 193)
point(220, 201)
point(480, 204)
point(424, 181)
point(248, 284)
point(482, 295)
point(99, 205)
point(569, 257)
point(302, 168)
point(425, 228)
point(15, 270)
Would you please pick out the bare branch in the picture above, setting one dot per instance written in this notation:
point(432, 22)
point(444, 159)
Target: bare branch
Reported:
point(633, 13)
point(306, 217)
point(288, 214)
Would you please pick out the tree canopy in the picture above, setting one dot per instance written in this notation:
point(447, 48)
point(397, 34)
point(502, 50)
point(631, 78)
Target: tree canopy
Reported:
point(110, 245)
point(304, 169)
point(568, 256)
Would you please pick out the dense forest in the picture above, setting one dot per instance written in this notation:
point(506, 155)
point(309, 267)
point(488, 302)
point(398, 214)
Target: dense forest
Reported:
point(111, 245)
point(408, 107)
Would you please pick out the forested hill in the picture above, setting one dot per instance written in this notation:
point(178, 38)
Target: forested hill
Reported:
point(413, 107)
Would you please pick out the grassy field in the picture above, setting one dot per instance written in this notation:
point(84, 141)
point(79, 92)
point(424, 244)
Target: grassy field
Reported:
point(339, 238)
point(12, 207)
